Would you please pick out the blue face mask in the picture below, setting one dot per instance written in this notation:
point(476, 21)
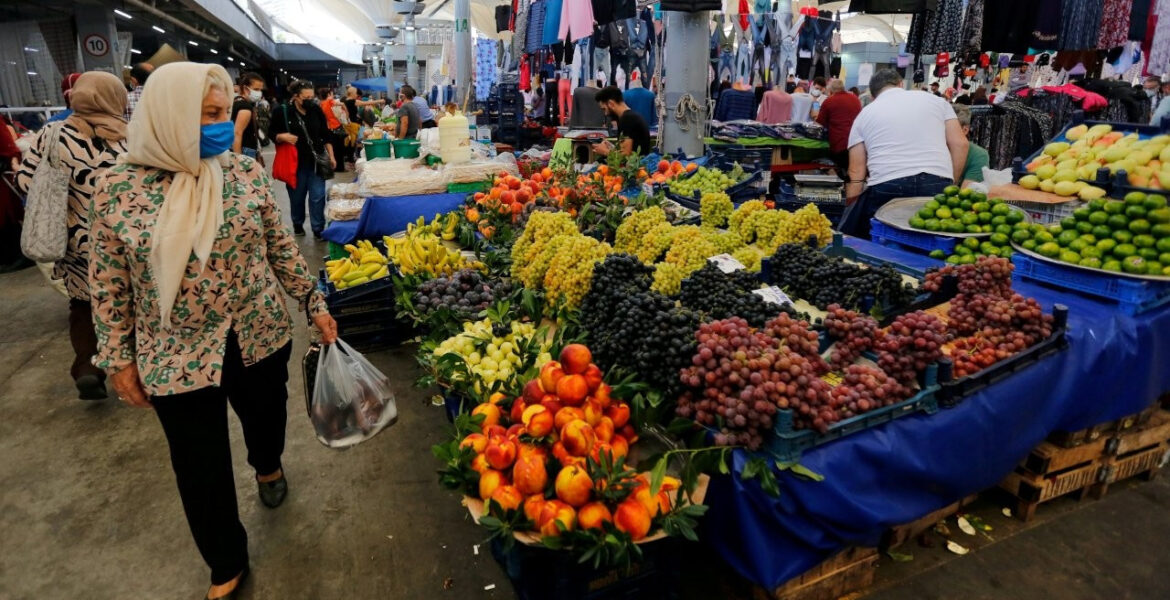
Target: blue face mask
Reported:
point(216, 138)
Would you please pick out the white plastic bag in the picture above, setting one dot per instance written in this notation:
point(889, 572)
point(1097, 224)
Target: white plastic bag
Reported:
point(352, 400)
point(995, 178)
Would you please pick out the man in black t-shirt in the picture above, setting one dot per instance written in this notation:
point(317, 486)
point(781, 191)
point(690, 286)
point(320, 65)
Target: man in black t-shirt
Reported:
point(633, 132)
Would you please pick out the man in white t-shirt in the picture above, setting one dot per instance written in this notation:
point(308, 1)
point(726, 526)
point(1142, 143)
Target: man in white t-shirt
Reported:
point(903, 144)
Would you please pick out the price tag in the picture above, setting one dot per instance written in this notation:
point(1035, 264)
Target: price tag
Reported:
point(773, 295)
point(726, 263)
point(834, 378)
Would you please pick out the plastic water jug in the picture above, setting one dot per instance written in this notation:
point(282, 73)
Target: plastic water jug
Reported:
point(454, 139)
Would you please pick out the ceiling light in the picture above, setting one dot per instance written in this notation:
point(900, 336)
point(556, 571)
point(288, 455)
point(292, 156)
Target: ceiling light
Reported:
point(230, 59)
point(135, 51)
point(158, 29)
point(410, 27)
point(214, 51)
point(122, 14)
point(193, 42)
point(32, 72)
point(128, 66)
point(27, 49)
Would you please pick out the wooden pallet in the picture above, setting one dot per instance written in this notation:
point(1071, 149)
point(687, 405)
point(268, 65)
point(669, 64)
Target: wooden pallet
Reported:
point(1069, 439)
point(850, 571)
point(1051, 471)
point(896, 536)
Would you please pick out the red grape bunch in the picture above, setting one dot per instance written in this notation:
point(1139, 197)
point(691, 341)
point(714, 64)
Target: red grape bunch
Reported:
point(910, 344)
point(865, 388)
point(988, 275)
point(852, 332)
point(797, 337)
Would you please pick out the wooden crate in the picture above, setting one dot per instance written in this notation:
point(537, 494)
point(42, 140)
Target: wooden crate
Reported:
point(1139, 445)
point(848, 572)
point(1069, 439)
point(896, 536)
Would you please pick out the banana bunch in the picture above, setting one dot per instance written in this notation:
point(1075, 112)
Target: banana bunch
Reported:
point(449, 226)
point(365, 263)
point(420, 252)
point(439, 225)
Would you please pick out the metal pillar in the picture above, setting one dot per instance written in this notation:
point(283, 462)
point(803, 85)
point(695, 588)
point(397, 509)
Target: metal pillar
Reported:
point(97, 33)
point(411, 39)
point(388, 65)
point(685, 77)
point(462, 75)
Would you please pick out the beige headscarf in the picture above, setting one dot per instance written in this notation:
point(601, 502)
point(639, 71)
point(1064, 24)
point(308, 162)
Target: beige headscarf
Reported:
point(164, 133)
point(98, 100)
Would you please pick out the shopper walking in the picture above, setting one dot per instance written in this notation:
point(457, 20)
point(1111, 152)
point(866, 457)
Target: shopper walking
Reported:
point(138, 74)
point(300, 122)
point(86, 144)
point(249, 93)
point(837, 114)
point(903, 144)
point(189, 258)
point(425, 114)
point(336, 119)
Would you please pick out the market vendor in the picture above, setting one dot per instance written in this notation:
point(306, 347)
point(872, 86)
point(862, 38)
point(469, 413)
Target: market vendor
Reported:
point(408, 115)
point(633, 132)
point(977, 156)
point(903, 144)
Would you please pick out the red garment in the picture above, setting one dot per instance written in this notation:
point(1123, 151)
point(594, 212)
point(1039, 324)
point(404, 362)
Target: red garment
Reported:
point(1090, 101)
point(942, 59)
point(837, 114)
point(984, 60)
point(525, 74)
point(744, 21)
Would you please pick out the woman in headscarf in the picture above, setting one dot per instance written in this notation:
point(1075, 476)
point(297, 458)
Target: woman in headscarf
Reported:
point(189, 258)
point(87, 143)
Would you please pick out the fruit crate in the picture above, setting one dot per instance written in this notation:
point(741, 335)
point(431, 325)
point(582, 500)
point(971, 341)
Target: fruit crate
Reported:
point(838, 248)
point(1078, 118)
point(1133, 296)
point(892, 237)
point(1045, 213)
point(539, 573)
point(374, 330)
point(952, 391)
point(786, 444)
point(1070, 439)
point(751, 158)
point(467, 188)
point(748, 189)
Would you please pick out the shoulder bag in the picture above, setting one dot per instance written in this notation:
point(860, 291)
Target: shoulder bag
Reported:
point(321, 162)
point(284, 166)
point(46, 232)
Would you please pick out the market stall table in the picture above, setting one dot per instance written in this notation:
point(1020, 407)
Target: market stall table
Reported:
point(904, 469)
point(389, 215)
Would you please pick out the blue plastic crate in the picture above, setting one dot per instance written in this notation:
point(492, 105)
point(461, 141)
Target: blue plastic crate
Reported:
point(838, 248)
point(786, 444)
point(893, 237)
point(748, 189)
point(1133, 296)
point(751, 158)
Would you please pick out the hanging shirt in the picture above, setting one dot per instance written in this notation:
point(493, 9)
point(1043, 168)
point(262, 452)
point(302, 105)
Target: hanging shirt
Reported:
point(576, 20)
point(775, 107)
point(641, 101)
point(554, 10)
point(534, 37)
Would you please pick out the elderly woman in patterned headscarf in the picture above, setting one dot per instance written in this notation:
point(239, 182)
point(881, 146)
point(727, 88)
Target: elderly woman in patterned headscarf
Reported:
point(86, 144)
point(191, 262)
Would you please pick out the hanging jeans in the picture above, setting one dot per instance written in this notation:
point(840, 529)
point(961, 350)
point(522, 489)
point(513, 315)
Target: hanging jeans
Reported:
point(855, 221)
point(311, 185)
point(743, 61)
point(759, 31)
point(196, 427)
point(565, 98)
point(824, 55)
point(726, 68)
point(783, 60)
point(600, 64)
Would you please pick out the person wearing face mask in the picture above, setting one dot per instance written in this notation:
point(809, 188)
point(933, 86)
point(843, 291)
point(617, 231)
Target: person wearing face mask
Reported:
point(249, 93)
point(86, 144)
point(818, 96)
point(189, 268)
point(1150, 86)
point(300, 122)
point(1163, 109)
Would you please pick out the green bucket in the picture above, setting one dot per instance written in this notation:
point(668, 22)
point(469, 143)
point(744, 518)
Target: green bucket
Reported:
point(406, 148)
point(377, 149)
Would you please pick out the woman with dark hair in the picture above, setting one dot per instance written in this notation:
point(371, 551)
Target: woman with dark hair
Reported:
point(979, 96)
point(300, 122)
point(249, 92)
point(336, 118)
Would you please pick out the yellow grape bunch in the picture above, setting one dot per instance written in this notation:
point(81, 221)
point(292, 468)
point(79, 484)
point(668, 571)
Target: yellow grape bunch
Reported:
point(715, 208)
point(541, 227)
point(738, 217)
point(570, 273)
point(634, 228)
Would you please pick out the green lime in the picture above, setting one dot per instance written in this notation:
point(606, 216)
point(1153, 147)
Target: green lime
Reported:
point(1001, 209)
point(1153, 267)
point(1078, 245)
point(1135, 212)
point(1154, 201)
point(1124, 250)
point(1055, 228)
point(973, 229)
point(1096, 204)
point(1144, 240)
point(1122, 236)
point(925, 213)
point(1163, 245)
point(1091, 262)
point(985, 228)
point(1159, 215)
point(1088, 237)
point(1112, 265)
point(980, 197)
point(951, 190)
point(1049, 249)
point(1148, 253)
point(1029, 244)
point(943, 213)
point(953, 259)
point(1068, 223)
point(1135, 198)
point(1161, 230)
point(932, 205)
point(1006, 252)
point(986, 247)
point(1133, 264)
point(1066, 237)
point(1043, 236)
point(1084, 226)
point(954, 226)
point(953, 201)
point(1091, 252)
point(931, 225)
point(969, 218)
point(1166, 271)
point(918, 222)
point(972, 243)
point(1020, 235)
point(967, 260)
point(964, 251)
point(965, 193)
point(1114, 207)
point(1069, 256)
point(938, 254)
point(966, 204)
point(1014, 217)
point(1004, 229)
point(1164, 258)
point(981, 207)
point(1107, 245)
point(1139, 226)
point(1082, 213)
point(1098, 217)
point(992, 251)
point(1117, 222)
point(999, 220)
point(1101, 231)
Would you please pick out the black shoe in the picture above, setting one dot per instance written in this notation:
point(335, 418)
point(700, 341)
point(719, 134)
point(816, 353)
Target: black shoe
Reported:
point(91, 387)
point(299, 229)
point(235, 593)
point(272, 493)
point(317, 236)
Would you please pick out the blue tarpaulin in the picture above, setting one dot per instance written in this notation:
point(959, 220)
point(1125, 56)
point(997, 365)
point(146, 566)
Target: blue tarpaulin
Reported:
point(904, 469)
point(374, 84)
point(385, 216)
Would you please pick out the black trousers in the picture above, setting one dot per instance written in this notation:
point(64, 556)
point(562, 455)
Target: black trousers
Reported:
point(196, 427)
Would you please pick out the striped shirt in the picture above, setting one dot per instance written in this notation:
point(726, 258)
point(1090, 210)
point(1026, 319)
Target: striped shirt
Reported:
point(132, 98)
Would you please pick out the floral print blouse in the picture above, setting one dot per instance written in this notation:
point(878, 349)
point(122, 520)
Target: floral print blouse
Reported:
point(239, 289)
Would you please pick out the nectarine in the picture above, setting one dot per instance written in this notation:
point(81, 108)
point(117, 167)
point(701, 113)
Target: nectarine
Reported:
point(575, 358)
point(573, 486)
point(632, 518)
point(490, 480)
point(592, 515)
point(572, 390)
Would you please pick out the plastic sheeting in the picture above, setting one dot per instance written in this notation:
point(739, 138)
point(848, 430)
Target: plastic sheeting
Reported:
point(386, 216)
point(899, 471)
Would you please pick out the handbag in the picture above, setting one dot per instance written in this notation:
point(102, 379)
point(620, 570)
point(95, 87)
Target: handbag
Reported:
point(46, 231)
point(284, 166)
point(321, 164)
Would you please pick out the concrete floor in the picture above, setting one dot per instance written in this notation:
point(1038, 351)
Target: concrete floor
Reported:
point(88, 506)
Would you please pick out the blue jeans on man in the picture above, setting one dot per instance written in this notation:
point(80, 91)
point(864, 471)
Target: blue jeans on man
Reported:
point(855, 221)
point(310, 184)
